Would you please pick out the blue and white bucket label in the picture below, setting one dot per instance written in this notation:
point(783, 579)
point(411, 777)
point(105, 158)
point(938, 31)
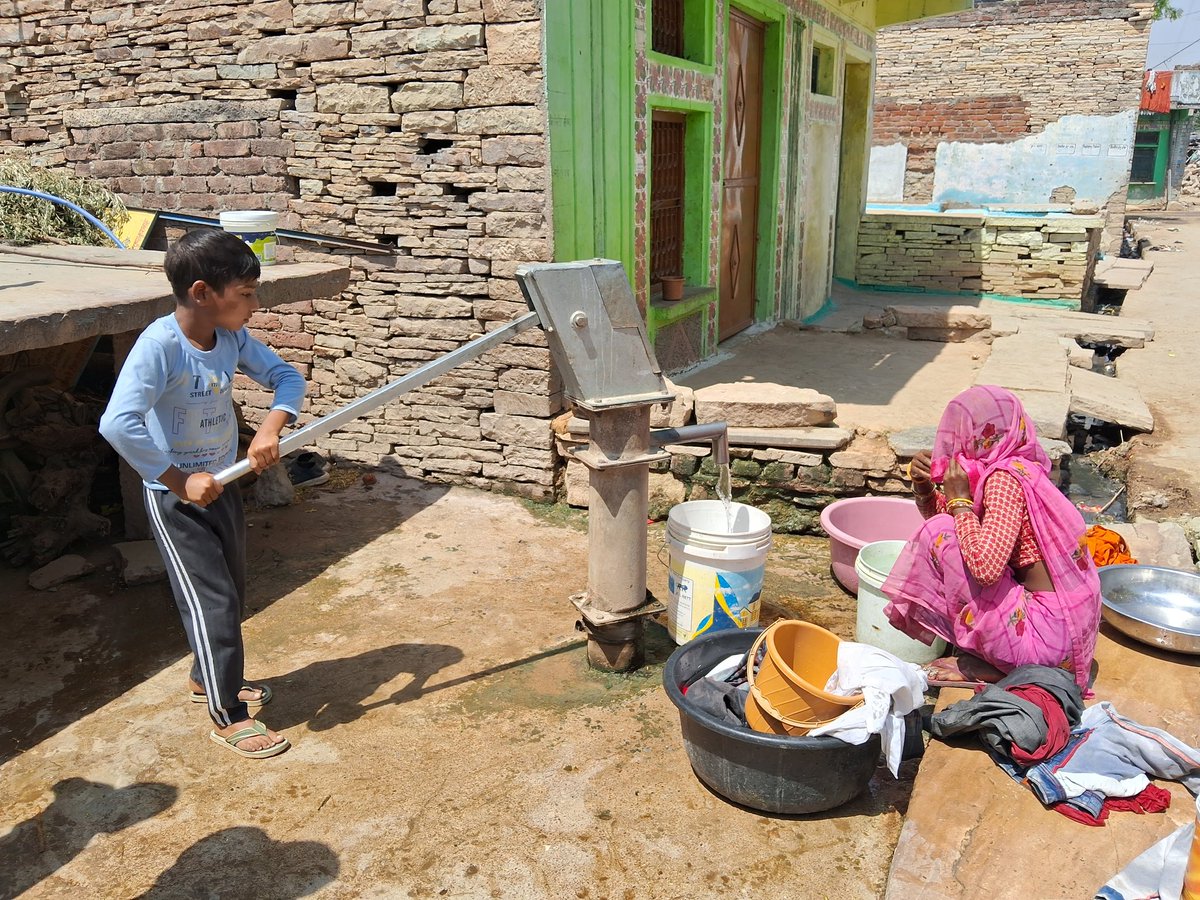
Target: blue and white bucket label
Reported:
point(705, 599)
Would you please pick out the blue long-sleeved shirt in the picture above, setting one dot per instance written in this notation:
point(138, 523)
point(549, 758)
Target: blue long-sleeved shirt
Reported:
point(173, 403)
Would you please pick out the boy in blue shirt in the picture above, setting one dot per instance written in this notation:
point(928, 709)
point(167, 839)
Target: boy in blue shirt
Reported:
point(171, 417)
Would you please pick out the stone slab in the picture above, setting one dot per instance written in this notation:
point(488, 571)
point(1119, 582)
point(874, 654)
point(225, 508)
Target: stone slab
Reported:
point(59, 572)
point(971, 831)
point(1031, 362)
point(1117, 331)
point(816, 437)
point(1122, 274)
point(1049, 411)
point(1077, 356)
point(678, 412)
point(866, 454)
point(908, 443)
point(829, 437)
point(957, 317)
point(140, 562)
point(1157, 543)
point(58, 295)
point(1109, 400)
point(759, 404)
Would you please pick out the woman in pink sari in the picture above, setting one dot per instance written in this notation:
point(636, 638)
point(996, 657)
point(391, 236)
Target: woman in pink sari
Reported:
point(1000, 569)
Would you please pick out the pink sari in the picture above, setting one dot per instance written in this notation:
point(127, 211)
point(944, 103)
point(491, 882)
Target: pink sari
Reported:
point(931, 592)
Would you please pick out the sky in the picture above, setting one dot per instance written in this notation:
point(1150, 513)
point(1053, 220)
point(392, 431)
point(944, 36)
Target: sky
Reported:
point(1169, 41)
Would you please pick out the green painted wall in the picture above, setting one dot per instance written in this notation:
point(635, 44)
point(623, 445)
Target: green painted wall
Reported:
point(590, 91)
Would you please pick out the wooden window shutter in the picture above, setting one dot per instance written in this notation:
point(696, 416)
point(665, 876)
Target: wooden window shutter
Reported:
point(666, 195)
point(666, 27)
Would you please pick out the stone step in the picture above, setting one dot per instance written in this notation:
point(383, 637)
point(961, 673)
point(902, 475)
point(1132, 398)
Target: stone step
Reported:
point(758, 404)
point(1109, 400)
point(816, 437)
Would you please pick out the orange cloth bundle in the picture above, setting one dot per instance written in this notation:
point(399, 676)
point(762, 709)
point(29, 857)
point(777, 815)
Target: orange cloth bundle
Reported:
point(1107, 547)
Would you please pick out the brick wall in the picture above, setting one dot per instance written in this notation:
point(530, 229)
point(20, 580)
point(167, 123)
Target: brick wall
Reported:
point(1003, 71)
point(415, 123)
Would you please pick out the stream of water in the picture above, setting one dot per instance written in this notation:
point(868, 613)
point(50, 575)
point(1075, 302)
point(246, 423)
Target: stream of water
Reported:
point(725, 495)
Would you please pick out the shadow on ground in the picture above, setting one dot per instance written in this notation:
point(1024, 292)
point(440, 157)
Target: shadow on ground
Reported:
point(246, 862)
point(67, 652)
point(81, 809)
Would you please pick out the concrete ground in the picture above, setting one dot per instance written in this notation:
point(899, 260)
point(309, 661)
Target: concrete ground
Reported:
point(880, 383)
point(1164, 467)
point(448, 739)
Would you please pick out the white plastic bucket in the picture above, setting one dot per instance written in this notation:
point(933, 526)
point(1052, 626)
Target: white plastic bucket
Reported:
point(716, 572)
point(873, 565)
point(257, 228)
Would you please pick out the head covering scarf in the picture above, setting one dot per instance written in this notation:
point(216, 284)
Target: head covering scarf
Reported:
point(987, 430)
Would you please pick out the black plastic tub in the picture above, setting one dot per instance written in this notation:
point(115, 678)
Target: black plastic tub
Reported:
point(762, 771)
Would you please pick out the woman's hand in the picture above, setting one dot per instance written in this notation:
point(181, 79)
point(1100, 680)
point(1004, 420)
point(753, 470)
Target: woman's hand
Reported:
point(956, 484)
point(918, 469)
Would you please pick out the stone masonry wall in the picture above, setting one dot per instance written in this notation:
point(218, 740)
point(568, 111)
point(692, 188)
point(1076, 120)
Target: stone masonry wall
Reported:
point(418, 124)
point(1003, 71)
point(1048, 258)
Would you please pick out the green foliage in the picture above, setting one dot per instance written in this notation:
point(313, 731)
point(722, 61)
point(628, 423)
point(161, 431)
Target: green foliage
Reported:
point(32, 220)
point(1164, 10)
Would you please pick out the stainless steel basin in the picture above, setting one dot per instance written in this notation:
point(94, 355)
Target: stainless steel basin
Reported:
point(1157, 606)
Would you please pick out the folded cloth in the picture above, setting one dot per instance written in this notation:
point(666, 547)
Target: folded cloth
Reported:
point(1157, 873)
point(1107, 547)
point(1057, 728)
point(891, 689)
point(1003, 719)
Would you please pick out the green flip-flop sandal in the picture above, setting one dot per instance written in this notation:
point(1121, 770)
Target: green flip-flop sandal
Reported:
point(258, 728)
point(263, 699)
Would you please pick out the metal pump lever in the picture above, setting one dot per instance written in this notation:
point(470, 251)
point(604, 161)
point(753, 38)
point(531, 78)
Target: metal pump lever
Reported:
point(381, 395)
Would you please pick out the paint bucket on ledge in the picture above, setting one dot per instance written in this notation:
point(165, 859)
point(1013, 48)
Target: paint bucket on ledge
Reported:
point(716, 571)
point(257, 228)
point(873, 566)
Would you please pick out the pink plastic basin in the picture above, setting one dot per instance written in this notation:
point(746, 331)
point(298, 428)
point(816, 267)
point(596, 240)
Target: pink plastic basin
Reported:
point(857, 521)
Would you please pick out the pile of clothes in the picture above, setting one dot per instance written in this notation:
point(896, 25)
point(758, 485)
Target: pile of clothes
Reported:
point(1083, 763)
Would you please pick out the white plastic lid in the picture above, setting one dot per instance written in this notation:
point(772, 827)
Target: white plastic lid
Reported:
point(250, 219)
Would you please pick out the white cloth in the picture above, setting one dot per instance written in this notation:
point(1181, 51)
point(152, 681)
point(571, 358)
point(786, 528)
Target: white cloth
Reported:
point(1155, 875)
point(891, 689)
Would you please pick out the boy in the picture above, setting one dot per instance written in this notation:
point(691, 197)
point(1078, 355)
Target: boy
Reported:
point(171, 417)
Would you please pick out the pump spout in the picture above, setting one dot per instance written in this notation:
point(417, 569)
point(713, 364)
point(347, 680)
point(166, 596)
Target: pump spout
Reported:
point(717, 432)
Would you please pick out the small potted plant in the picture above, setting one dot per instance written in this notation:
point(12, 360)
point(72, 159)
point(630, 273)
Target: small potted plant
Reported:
point(672, 287)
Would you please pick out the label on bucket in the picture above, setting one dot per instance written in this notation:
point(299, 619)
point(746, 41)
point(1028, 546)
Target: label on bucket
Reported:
point(262, 243)
point(706, 599)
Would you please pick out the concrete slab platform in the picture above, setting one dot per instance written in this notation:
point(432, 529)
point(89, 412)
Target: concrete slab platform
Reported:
point(57, 295)
point(971, 831)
